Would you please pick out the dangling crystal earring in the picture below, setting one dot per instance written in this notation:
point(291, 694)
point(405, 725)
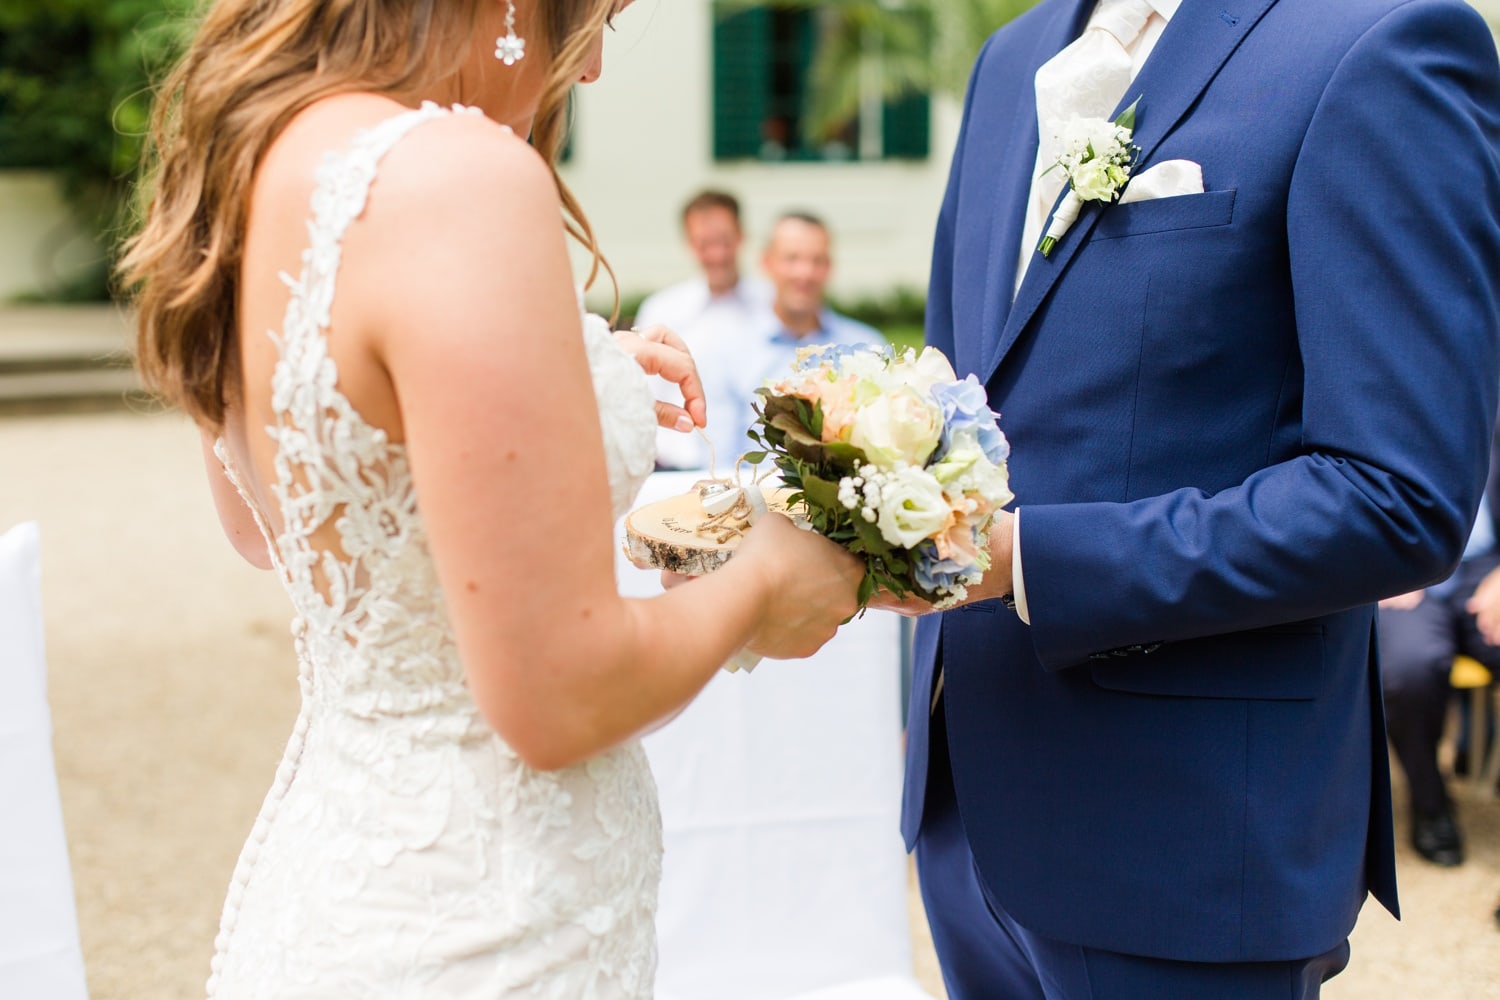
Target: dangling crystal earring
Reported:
point(510, 48)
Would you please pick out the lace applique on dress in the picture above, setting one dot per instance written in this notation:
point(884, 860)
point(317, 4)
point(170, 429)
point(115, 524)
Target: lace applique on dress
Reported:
point(404, 850)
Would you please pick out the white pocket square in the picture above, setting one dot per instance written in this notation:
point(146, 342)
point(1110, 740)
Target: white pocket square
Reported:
point(1167, 179)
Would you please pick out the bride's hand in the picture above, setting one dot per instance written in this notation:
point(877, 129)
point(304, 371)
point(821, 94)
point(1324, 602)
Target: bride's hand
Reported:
point(659, 351)
point(812, 584)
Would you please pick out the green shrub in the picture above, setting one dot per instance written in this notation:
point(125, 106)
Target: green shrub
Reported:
point(75, 98)
point(900, 308)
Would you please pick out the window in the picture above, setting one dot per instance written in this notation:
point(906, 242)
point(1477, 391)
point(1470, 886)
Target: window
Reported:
point(766, 92)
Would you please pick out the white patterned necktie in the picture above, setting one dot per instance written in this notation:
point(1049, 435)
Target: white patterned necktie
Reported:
point(1085, 80)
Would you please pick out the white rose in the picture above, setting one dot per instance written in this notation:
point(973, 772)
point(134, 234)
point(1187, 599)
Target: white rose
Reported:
point(990, 481)
point(963, 452)
point(900, 426)
point(1073, 139)
point(912, 508)
point(966, 469)
point(928, 369)
point(1074, 135)
point(1106, 137)
point(867, 367)
point(1092, 181)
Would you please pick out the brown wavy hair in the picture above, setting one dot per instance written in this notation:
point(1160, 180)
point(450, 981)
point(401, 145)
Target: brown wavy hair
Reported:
point(252, 66)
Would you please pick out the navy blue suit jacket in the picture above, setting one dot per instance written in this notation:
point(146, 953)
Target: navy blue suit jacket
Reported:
point(1238, 418)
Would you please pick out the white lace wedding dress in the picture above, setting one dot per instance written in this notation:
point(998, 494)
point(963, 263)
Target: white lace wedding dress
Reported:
point(404, 850)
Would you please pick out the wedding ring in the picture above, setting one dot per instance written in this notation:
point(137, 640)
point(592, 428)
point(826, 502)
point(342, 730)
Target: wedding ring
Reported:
point(717, 502)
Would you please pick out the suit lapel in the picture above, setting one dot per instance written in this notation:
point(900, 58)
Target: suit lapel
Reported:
point(1195, 45)
point(1014, 172)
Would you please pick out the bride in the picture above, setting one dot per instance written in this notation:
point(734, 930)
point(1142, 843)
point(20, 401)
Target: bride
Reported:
point(360, 290)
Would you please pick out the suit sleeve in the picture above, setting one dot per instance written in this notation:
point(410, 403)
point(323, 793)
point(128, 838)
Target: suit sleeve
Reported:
point(1394, 251)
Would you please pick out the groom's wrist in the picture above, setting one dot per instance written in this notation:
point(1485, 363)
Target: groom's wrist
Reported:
point(997, 584)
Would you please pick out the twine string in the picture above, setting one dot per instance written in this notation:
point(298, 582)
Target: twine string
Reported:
point(731, 523)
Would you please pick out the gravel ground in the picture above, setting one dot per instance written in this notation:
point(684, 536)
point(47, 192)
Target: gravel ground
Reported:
point(173, 691)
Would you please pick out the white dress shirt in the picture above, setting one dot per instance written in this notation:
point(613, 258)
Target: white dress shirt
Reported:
point(1036, 218)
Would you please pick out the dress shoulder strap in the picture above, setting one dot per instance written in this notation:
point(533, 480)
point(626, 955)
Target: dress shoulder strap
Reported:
point(343, 181)
point(340, 191)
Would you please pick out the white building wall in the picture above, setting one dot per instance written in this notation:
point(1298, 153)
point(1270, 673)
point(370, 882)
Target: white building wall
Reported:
point(644, 144)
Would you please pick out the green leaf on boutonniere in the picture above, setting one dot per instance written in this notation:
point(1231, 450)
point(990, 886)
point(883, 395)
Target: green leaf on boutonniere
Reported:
point(1126, 118)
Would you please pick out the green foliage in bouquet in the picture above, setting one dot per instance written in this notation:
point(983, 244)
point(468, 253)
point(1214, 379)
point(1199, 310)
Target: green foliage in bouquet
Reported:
point(790, 432)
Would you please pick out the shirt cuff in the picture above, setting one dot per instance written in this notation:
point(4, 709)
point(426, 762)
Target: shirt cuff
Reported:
point(1018, 580)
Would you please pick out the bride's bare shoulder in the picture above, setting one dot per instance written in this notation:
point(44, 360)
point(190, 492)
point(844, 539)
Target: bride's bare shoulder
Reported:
point(291, 161)
point(456, 155)
point(463, 162)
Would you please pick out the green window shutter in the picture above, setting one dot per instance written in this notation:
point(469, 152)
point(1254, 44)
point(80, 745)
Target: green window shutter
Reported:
point(907, 127)
point(741, 63)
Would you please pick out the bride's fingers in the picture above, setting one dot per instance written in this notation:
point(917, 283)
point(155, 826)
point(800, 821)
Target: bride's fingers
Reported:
point(658, 334)
point(673, 417)
point(659, 351)
point(675, 365)
point(670, 579)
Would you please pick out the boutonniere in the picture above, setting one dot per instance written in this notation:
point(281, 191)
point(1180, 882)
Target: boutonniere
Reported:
point(1097, 157)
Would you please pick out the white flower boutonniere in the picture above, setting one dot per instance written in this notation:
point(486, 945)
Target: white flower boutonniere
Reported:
point(1097, 157)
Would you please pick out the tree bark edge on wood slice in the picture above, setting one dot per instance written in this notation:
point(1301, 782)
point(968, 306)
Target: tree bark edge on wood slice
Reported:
point(664, 534)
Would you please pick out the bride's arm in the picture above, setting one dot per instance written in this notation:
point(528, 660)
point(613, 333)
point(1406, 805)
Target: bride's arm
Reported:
point(464, 279)
point(234, 514)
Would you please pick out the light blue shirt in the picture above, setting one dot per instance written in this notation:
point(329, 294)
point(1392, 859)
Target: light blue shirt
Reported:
point(1481, 541)
point(1482, 538)
point(767, 354)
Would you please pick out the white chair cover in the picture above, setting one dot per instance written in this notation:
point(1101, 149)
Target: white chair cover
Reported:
point(39, 950)
point(784, 874)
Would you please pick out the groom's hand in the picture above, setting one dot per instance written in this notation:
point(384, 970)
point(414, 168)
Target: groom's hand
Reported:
point(911, 607)
point(997, 582)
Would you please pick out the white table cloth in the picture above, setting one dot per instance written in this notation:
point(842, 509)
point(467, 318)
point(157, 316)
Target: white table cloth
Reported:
point(39, 951)
point(784, 873)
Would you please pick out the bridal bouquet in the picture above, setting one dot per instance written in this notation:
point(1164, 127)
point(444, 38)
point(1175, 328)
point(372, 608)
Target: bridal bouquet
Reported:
point(893, 457)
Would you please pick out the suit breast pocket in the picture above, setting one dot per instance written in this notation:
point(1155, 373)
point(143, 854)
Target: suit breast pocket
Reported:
point(1164, 215)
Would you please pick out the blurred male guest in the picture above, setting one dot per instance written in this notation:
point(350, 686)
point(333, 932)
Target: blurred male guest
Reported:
point(712, 314)
point(799, 261)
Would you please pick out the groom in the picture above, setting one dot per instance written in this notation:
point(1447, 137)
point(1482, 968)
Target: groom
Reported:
point(1244, 407)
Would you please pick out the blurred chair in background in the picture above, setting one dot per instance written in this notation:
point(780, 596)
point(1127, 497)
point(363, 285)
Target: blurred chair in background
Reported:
point(39, 951)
